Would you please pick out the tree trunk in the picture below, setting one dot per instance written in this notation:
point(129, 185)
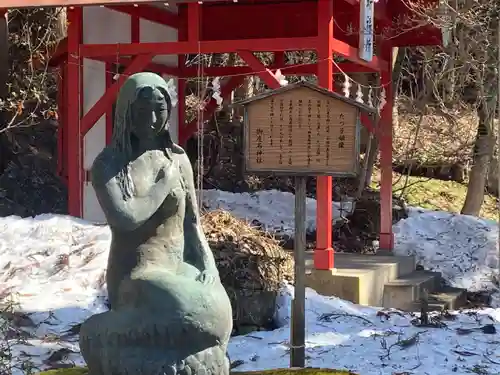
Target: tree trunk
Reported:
point(370, 161)
point(371, 157)
point(232, 111)
point(483, 151)
point(5, 145)
point(4, 54)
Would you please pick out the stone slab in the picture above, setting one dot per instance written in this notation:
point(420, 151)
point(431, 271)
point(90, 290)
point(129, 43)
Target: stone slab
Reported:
point(447, 298)
point(358, 278)
point(404, 291)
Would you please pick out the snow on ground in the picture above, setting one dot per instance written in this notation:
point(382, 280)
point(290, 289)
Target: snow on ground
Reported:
point(463, 248)
point(370, 341)
point(273, 208)
point(53, 267)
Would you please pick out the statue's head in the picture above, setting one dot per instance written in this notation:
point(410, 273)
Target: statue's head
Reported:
point(150, 112)
point(143, 110)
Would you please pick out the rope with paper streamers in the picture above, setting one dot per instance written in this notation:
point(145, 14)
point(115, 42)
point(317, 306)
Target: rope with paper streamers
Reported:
point(346, 87)
point(281, 72)
point(369, 99)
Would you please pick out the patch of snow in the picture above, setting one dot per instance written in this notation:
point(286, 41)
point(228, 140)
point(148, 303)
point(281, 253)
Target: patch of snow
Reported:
point(463, 248)
point(342, 335)
point(53, 268)
point(272, 208)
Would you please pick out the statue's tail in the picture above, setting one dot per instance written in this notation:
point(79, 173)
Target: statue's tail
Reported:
point(156, 322)
point(132, 342)
point(179, 306)
point(133, 327)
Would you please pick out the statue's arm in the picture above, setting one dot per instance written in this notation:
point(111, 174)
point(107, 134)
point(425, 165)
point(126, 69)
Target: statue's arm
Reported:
point(196, 245)
point(128, 214)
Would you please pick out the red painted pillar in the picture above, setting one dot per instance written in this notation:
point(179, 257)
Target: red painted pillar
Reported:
point(75, 140)
point(193, 22)
point(323, 254)
point(385, 136)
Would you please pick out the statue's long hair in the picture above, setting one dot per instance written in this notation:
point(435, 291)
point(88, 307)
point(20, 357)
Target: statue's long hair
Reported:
point(122, 138)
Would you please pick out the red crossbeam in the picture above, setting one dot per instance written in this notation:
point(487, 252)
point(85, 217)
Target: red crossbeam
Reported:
point(152, 66)
point(100, 107)
point(260, 69)
point(193, 47)
point(351, 53)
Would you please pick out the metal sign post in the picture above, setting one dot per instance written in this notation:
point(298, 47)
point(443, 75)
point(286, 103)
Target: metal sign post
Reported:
point(298, 327)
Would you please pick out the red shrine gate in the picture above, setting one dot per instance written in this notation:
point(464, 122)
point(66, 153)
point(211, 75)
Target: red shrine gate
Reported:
point(213, 26)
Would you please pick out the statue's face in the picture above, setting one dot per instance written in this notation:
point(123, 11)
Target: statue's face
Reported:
point(150, 113)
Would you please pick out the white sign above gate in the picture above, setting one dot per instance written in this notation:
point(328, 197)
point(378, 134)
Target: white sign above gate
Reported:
point(366, 19)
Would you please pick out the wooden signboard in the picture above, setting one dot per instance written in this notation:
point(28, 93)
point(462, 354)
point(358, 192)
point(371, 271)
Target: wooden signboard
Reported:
point(301, 129)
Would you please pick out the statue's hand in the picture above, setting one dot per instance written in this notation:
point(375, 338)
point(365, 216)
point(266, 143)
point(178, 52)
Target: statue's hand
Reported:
point(168, 172)
point(207, 278)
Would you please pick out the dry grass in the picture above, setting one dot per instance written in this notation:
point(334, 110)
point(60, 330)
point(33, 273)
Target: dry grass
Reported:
point(246, 255)
point(223, 229)
point(252, 265)
point(437, 194)
point(433, 139)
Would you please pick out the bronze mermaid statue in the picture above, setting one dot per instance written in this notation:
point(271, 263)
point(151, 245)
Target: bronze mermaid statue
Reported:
point(169, 313)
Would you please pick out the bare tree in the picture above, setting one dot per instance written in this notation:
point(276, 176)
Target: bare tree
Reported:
point(28, 38)
point(4, 77)
point(33, 36)
point(465, 72)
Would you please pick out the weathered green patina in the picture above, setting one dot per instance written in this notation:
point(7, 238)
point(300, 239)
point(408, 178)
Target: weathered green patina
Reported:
point(169, 311)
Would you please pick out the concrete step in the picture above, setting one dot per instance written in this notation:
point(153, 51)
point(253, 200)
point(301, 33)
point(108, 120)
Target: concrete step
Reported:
point(358, 278)
point(447, 298)
point(402, 292)
point(399, 265)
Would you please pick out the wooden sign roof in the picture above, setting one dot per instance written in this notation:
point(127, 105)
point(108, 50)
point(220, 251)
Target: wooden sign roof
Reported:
point(322, 91)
